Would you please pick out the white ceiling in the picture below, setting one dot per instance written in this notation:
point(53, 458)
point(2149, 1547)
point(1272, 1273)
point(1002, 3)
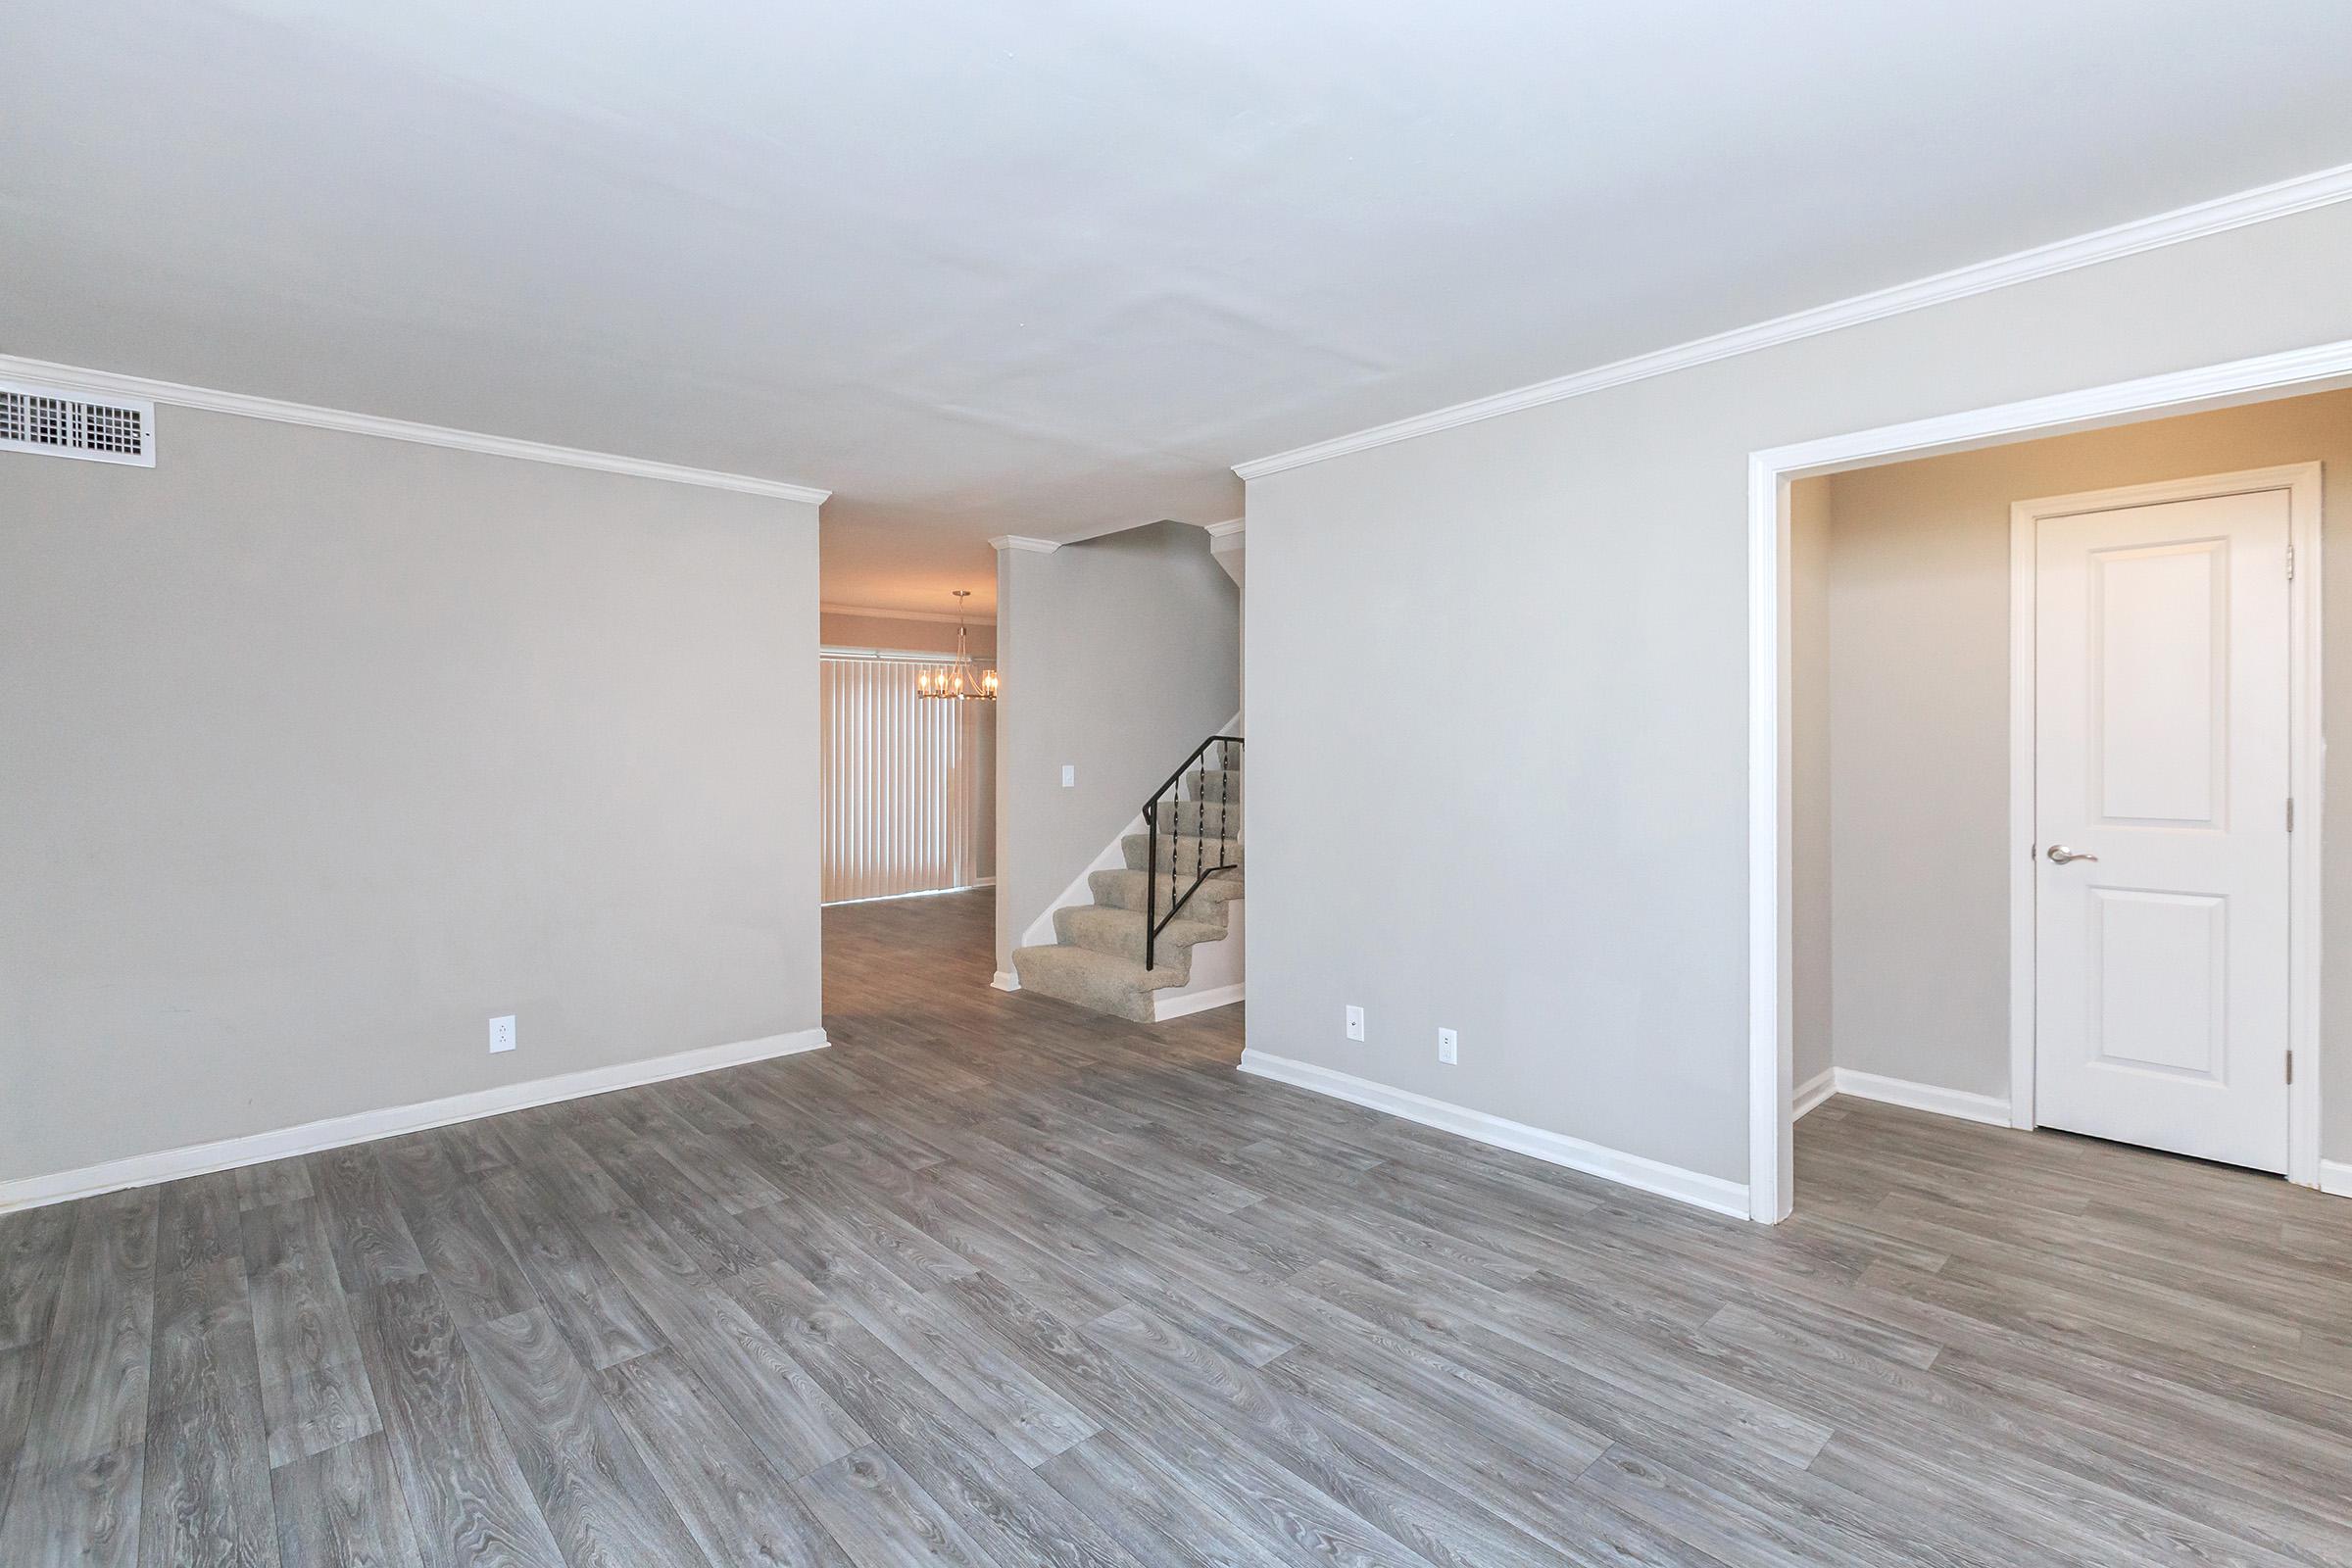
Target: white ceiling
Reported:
point(1051, 268)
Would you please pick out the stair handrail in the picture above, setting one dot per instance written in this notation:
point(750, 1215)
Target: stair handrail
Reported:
point(1153, 922)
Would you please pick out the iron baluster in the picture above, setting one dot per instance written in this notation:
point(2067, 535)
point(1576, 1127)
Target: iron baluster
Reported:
point(1155, 922)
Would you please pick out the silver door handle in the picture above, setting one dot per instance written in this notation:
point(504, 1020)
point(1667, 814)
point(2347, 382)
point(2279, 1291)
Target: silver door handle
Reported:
point(2060, 854)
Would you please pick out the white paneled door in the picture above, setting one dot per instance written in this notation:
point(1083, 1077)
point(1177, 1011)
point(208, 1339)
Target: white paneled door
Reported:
point(2162, 850)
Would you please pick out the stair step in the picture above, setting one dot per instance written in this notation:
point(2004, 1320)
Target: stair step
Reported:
point(1106, 928)
point(1086, 978)
point(1181, 851)
point(1125, 890)
point(1213, 784)
point(1215, 817)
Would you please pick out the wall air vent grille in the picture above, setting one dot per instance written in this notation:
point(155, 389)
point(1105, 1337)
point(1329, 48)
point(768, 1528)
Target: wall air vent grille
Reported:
point(65, 424)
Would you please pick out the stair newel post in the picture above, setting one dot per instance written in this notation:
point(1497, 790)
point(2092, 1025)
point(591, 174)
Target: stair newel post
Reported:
point(1151, 877)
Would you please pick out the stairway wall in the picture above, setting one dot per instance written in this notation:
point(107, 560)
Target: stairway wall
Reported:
point(1118, 656)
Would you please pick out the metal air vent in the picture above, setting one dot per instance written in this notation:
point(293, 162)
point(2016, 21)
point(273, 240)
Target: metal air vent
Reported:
point(71, 425)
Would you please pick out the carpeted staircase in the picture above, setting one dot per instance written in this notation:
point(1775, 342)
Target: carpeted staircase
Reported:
point(1096, 960)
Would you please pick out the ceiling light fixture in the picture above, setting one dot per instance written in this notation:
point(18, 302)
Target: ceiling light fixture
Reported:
point(963, 680)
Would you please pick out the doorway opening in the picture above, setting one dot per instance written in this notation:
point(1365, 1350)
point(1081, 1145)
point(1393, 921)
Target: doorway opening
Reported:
point(2061, 625)
point(908, 780)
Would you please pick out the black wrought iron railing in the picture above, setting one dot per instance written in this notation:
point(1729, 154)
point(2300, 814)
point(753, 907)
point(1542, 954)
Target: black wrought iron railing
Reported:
point(1206, 819)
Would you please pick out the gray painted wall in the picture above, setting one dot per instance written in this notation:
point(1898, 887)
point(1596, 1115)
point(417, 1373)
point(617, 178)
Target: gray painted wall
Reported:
point(1497, 697)
point(1918, 692)
point(322, 749)
point(1118, 655)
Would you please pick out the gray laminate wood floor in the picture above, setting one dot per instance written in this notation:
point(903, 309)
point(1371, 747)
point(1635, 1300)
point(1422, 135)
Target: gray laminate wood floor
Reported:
point(999, 1282)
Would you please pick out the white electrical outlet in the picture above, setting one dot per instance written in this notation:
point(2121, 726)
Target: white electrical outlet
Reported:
point(1069, 776)
point(1447, 1044)
point(1355, 1023)
point(502, 1034)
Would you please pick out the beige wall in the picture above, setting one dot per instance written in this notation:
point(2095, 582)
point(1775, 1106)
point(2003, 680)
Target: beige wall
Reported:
point(318, 750)
point(1809, 788)
point(1917, 685)
point(842, 629)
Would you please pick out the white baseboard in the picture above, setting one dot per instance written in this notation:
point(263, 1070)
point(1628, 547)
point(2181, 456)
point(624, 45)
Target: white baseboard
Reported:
point(362, 1127)
point(1992, 1109)
point(1712, 1193)
point(1006, 980)
point(2335, 1176)
point(1178, 1005)
point(1813, 1091)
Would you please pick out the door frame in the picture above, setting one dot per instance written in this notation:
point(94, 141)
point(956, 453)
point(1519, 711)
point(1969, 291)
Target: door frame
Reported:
point(2305, 762)
point(1771, 915)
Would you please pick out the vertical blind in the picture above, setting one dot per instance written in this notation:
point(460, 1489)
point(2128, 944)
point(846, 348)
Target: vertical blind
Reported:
point(907, 802)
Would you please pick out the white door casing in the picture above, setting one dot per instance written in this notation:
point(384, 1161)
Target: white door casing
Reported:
point(2317, 367)
point(2162, 766)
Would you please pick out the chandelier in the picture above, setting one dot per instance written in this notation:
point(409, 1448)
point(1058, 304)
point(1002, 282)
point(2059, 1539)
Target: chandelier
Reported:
point(962, 680)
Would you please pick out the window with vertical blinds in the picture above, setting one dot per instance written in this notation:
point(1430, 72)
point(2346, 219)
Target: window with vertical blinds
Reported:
point(909, 804)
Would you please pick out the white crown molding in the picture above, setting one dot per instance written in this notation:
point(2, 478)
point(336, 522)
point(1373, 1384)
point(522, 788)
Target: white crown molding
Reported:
point(1018, 541)
point(942, 617)
point(76, 378)
point(2282, 199)
point(227, 1154)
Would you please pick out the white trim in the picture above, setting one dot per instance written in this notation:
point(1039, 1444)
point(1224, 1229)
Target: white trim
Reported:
point(1814, 1092)
point(2022, 750)
point(1991, 1109)
point(1692, 1187)
point(2306, 758)
point(940, 616)
point(1229, 528)
point(1769, 1036)
point(1017, 541)
point(2282, 199)
point(199, 1159)
point(1772, 840)
point(1180, 1005)
point(2335, 1177)
point(115, 384)
point(1006, 980)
